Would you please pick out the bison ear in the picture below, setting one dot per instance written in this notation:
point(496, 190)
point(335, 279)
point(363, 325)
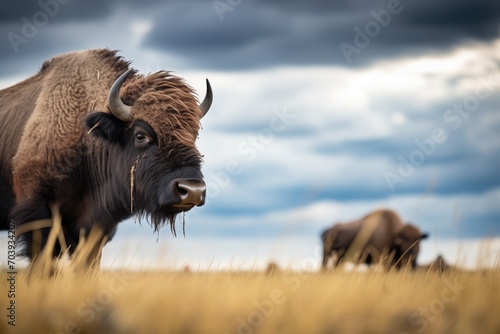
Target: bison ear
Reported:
point(424, 235)
point(104, 125)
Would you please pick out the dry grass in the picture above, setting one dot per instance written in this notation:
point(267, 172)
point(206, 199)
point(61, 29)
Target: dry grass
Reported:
point(75, 299)
point(253, 302)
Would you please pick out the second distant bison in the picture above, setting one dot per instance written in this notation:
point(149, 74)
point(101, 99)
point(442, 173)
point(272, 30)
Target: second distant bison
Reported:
point(380, 236)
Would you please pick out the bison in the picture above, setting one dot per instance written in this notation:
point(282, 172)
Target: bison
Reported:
point(89, 135)
point(380, 236)
point(439, 265)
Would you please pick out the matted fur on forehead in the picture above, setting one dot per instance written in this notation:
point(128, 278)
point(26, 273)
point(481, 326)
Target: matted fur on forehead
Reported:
point(167, 104)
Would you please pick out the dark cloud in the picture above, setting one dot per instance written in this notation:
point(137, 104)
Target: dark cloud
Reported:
point(35, 30)
point(455, 148)
point(259, 34)
point(478, 225)
point(32, 31)
point(25, 59)
point(12, 11)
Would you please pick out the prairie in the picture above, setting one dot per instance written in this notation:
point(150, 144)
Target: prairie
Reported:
point(375, 301)
point(53, 296)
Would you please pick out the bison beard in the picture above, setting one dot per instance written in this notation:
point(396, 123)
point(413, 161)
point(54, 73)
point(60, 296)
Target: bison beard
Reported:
point(143, 193)
point(101, 143)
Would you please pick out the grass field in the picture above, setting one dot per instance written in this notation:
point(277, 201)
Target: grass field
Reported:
point(255, 302)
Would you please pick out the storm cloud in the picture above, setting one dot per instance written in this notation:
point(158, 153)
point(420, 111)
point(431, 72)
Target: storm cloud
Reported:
point(254, 34)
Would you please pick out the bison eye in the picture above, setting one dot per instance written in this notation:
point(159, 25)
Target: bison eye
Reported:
point(144, 135)
point(141, 139)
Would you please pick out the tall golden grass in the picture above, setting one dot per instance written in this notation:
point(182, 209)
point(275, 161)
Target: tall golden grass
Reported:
point(253, 302)
point(71, 300)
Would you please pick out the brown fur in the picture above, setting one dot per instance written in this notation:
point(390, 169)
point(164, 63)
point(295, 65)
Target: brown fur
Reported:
point(14, 113)
point(71, 86)
point(162, 94)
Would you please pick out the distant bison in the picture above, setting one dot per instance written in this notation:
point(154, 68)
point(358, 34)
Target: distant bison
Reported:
point(272, 269)
point(89, 135)
point(439, 265)
point(379, 236)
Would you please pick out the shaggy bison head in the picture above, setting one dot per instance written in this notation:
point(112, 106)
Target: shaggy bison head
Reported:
point(407, 243)
point(147, 139)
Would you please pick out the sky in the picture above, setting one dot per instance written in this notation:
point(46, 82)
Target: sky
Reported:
point(323, 111)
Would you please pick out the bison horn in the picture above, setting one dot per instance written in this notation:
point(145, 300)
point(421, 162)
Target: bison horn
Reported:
point(207, 101)
point(119, 109)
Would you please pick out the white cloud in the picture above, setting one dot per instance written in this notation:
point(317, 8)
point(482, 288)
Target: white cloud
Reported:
point(398, 118)
point(138, 30)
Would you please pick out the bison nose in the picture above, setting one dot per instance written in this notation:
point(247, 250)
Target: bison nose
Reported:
point(189, 192)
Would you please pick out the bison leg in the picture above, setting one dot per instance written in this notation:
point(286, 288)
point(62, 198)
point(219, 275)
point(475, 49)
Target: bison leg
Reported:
point(34, 221)
point(326, 257)
point(32, 231)
point(6, 203)
point(88, 252)
point(328, 252)
point(339, 256)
